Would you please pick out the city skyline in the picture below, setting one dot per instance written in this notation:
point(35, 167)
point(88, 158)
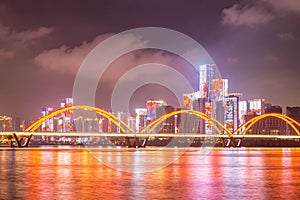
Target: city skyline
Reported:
point(254, 44)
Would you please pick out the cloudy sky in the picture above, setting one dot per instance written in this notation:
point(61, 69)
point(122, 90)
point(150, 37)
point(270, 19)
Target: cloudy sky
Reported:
point(255, 44)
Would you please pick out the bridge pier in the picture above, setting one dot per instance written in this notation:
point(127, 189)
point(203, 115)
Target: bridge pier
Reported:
point(18, 140)
point(232, 142)
point(133, 142)
point(145, 142)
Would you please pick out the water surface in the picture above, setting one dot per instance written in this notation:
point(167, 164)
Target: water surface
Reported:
point(73, 173)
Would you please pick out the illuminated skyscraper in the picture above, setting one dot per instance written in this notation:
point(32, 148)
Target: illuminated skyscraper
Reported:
point(151, 108)
point(231, 112)
point(49, 124)
point(213, 89)
point(243, 111)
point(256, 106)
point(65, 122)
point(206, 76)
point(141, 118)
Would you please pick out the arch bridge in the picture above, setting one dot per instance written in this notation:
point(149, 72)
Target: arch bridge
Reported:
point(229, 139)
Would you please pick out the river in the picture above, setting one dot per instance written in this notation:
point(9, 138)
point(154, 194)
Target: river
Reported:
point(78, 173)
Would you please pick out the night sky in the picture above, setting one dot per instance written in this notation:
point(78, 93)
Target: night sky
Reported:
point(255, 44)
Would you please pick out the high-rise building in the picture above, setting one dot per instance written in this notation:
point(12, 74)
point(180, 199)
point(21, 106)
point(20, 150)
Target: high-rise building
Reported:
point(141, 118)
point(6, 123)
point(125, 117)
point(48, 125)
point(211, 86)
point(189, 98)
point(206, 76)
point(231, 112)
point(211, 94)
point(66, 120)
point(243, 110)
point(199, 105)
point(131, 122)
point(256, 106)
point(294, 113)
point(168, 125)
point(151, 109)
point(270, 125)
point(273, 109)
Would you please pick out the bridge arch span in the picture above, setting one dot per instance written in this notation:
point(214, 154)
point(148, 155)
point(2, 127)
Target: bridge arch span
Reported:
point(213, 122)
point(291, 122)
point(119, 123)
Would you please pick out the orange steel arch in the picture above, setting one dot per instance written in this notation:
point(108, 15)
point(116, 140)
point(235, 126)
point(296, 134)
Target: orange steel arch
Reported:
point(254, 120)
point(104, 113)
point(210, 120)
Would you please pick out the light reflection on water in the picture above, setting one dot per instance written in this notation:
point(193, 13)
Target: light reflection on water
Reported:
point(73, 173)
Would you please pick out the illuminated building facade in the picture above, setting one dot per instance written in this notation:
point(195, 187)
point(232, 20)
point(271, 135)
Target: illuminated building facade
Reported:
point(243, 110)
point(231, 112)
point(65, 122)
point(140, 118)
point(189, 98)
point(151, 109)
point(6, 123)
point(48, 125)
point(125, 117)
point(256, 106)
point(206, 76)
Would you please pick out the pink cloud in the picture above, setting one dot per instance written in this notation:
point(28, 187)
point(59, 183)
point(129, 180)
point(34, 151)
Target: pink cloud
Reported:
point(30, 35)
point(232, 61)
point(4, 54)
point(245, 15)
point(8, 34)
point(65, 58)
point(254, 13)
point(68, 59)
point(288, 36)
point(285, 5)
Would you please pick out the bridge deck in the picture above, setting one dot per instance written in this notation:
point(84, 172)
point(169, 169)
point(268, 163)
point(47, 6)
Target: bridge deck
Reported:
point(154, 135)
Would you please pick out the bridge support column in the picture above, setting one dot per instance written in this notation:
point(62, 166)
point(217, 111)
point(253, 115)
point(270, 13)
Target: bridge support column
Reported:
point(18, 140)
point(145, 142)
point(132, 142)
point(238, 142)
point(28, 140)
point(230, 142)
point(223, 142)
point(14, 135)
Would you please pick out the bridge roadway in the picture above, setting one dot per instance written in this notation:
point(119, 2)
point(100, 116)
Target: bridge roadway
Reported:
point(152, 135)
point(136, 136)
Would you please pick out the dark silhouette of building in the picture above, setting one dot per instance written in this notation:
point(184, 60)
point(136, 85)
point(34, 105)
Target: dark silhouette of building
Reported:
point(294, 113)
point(188, 123)
point(273, 109)
point(168, 125)
point(269, 125)
point(199, 105)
